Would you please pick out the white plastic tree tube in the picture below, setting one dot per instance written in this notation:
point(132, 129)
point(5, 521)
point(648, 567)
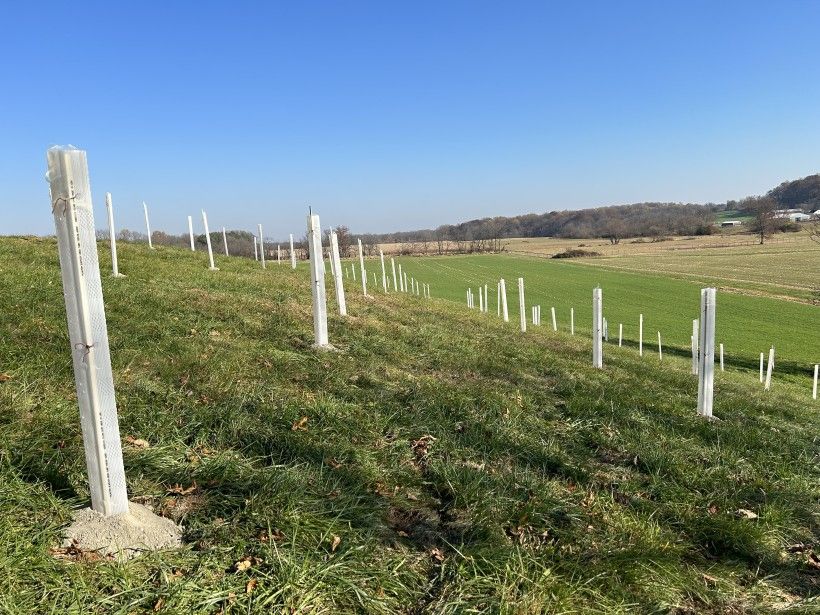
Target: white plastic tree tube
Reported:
point(498, 299)
point(486, 301)
point(112, 236)
point(769, 368)
point(384, 271)
point(335, 263)
point(572, 321)
point(362, 269)
point(400, 287)
point(208, 240)
point(255, 248)
point(225, 241)
point(660, 347)
point(278, 254)
point(620, 334)
point(261, 246)
point(191, 232)
point(814, 386)
point(606, 330)
point(695, 345)
point(706, 367)
point(393, 267)
point(640, 335)
point(317, 275)
point(761, 368)
point(480, 300)
point(405, 281)
point(597, 328)
point(88, 334)
point(721, 357)
point(534, 315)
point(147, 225)
point(554, 321)
point(522, 306)
point(504, 312)
point(353, 269)
point(292, 253)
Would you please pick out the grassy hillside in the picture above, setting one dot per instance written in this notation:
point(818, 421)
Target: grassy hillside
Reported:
point(746, 324)
point(439, 463)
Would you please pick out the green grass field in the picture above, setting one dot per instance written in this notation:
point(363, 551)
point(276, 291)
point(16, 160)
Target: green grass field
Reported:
point(746, 325)
point(440, 462)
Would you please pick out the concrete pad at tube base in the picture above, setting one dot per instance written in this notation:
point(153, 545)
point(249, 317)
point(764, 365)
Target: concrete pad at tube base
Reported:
point(123, 536)
point(325, 347)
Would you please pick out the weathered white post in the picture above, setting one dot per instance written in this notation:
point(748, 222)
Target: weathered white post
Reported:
point(261, 246)
point(769, 368)
point(82, 290)
point(706, 367)
point(695, 346)
point(112, 237)
point(361, 269)
point(554, 321)
point(640, 335)
point(504, 311)
point(660, 348)
point(191, 232)
point(147, 225)
point(721, 357)
point(393, 267)
point(225, 241)
point(384, 271)
point(208, 240)
point(761, 368)
point(317, 274)
point(814, 386)
point(292, 253)
point(597, 328)
point(572, 321)
point(255, 249)
point(335, 263)
point(620, 334)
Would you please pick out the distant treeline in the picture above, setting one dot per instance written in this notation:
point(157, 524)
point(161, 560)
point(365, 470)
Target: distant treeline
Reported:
point(654, 220)
point(613, 223)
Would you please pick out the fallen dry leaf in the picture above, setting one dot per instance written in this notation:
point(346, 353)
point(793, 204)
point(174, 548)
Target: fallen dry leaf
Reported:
point(137, 442)
point(4, 377)
point(242, 565)
point(436, 554)
point(745, 514)
point(333, 463)
point(178, 489)
point(159, 604)
point(335, 544)
point(300, 425)
point(251, 586)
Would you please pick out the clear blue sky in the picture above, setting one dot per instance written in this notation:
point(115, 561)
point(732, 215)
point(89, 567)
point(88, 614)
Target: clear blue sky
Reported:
point(388, 116)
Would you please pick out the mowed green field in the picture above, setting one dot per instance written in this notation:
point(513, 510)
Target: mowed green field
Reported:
point(746, 324)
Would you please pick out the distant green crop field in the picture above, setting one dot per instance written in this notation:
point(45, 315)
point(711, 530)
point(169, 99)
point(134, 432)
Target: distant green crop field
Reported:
point(746, 325)
point(732, 215)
